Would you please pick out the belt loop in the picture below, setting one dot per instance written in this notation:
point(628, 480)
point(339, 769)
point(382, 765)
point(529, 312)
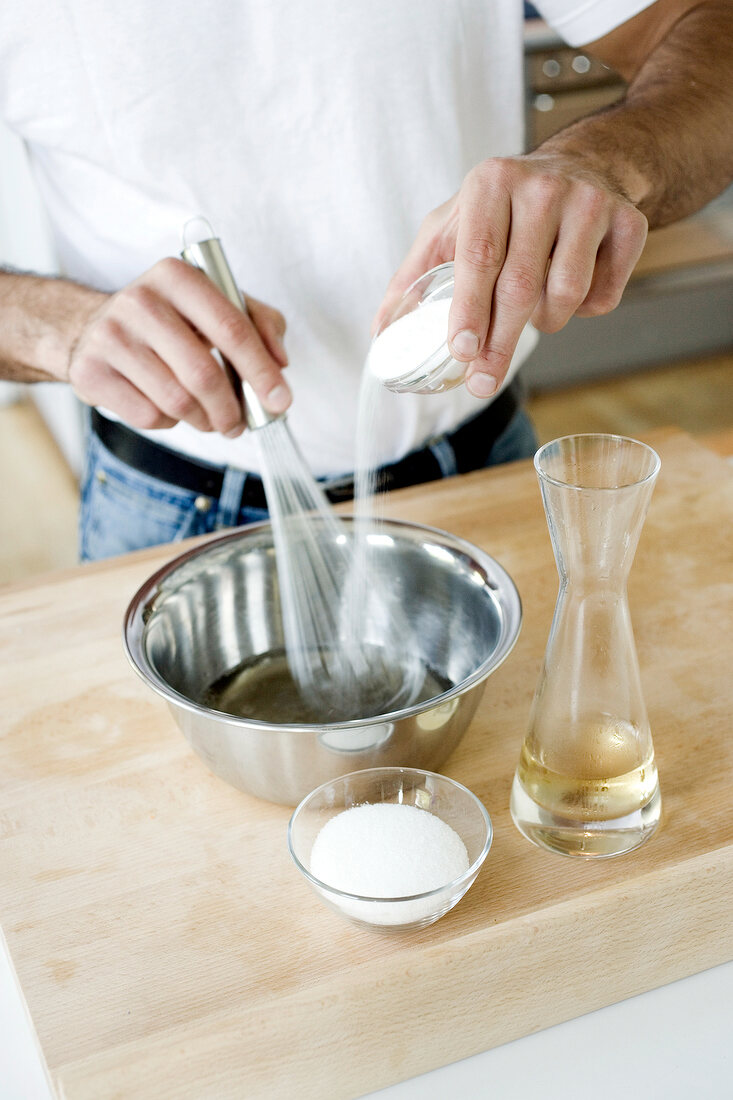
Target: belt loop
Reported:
point(444, 455)
point(230, 498)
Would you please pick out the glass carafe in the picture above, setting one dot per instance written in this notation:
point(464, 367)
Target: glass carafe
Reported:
point(586, 783)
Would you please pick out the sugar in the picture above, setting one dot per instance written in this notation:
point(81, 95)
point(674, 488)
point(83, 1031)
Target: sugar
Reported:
point(410, 340)
point(388, 850)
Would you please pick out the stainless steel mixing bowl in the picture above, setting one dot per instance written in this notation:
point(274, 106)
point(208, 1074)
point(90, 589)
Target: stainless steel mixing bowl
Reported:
point(217, 605)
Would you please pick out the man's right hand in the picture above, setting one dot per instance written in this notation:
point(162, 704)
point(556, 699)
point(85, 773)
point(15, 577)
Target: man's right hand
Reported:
point(144, 352)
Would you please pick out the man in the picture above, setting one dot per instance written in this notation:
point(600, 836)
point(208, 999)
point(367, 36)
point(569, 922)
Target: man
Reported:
point(315, 137)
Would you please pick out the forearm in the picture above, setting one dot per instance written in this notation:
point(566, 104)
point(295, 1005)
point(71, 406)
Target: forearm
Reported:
point(40, 321)
point(668, 146)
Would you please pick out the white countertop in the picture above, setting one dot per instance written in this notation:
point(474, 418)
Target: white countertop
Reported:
point(673, 1043)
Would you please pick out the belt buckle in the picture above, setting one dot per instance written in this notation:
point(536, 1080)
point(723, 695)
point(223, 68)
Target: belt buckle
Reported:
point(385, 480)
point(339, 489)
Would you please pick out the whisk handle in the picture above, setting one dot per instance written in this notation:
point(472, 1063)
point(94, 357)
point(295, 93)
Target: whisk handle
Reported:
point(208, 255)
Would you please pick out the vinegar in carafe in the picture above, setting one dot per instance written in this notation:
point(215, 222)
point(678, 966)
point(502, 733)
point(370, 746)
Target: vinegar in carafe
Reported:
point(550, 807)
point(598, 779)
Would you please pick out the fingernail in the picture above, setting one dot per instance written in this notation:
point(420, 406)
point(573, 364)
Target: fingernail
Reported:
point(465, 344)
point(233, 433)
point(278, 399)
point(481, 385)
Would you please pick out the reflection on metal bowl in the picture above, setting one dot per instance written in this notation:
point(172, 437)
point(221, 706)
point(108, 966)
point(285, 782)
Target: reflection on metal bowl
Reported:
point(216, 607)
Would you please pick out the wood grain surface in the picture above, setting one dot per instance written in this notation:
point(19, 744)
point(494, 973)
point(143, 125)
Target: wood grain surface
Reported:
point(167, 947)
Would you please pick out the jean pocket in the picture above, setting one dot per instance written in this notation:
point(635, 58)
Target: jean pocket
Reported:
point(123, 509)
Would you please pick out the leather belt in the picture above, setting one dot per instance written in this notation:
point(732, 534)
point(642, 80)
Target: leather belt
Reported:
point(471, 444)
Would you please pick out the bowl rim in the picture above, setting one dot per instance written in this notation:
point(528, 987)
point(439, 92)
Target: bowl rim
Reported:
point(135, 622)
point(452, 884)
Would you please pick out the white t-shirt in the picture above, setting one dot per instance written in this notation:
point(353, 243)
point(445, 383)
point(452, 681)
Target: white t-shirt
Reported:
point(314, 137)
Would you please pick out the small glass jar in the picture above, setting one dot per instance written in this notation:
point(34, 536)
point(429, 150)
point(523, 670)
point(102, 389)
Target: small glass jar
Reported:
point(409, 352)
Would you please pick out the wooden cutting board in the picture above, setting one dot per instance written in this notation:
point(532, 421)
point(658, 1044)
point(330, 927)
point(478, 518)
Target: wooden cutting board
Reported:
point(167, 947)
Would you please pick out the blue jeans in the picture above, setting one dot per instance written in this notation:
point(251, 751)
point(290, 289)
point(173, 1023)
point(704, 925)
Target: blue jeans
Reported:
point(123, 510)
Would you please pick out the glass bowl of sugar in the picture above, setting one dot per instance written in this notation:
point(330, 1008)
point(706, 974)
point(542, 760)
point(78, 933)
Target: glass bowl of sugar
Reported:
point(390, 848)
point(409, 352)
